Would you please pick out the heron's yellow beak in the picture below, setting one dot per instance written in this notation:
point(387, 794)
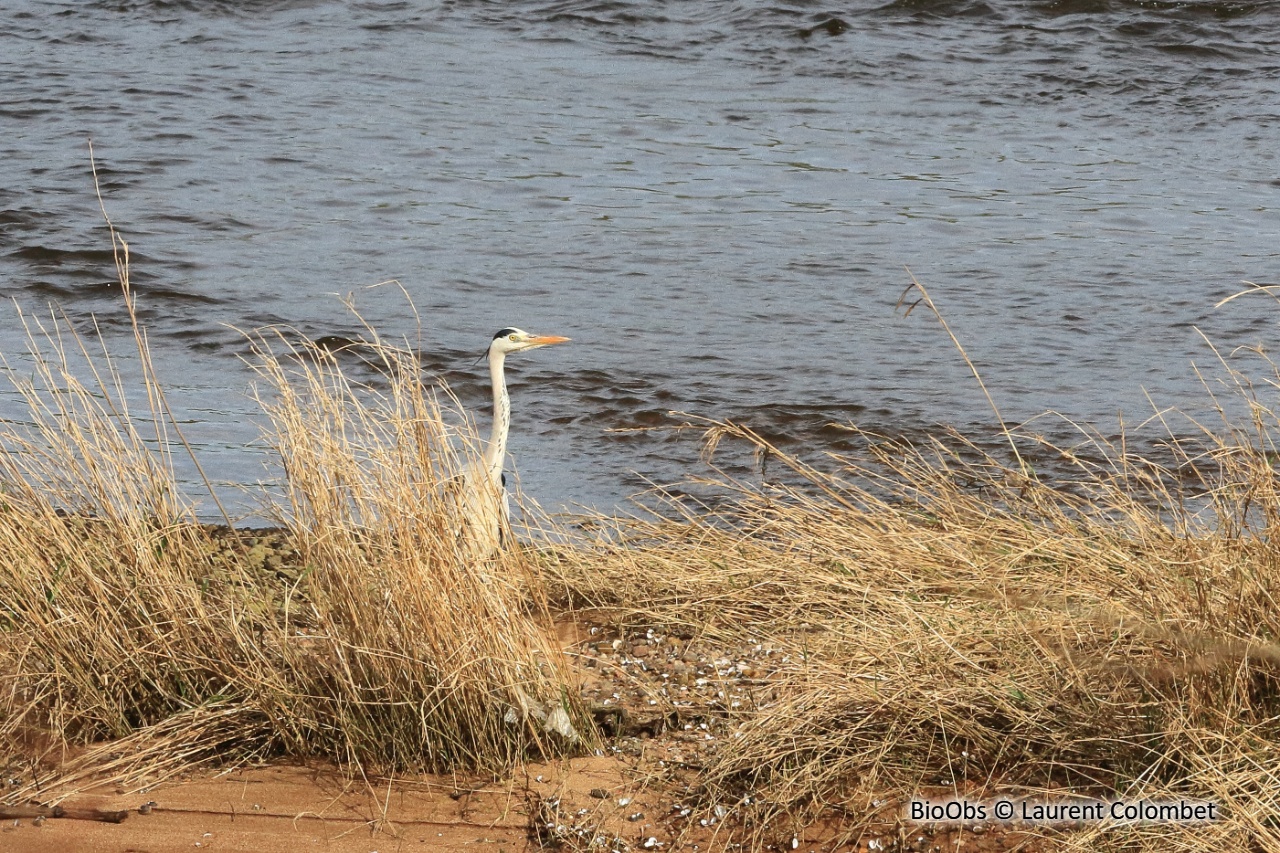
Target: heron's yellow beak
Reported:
point(546, 339)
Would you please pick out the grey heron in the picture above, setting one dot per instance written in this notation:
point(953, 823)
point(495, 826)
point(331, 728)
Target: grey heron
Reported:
point(487, 509)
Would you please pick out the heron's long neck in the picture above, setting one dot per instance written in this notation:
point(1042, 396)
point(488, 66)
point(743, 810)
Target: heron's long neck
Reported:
point(496, 452)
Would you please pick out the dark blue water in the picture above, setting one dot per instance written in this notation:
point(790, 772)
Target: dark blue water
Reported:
point(716, 200)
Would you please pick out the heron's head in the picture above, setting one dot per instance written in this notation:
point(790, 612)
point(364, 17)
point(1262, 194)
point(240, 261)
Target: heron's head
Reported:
point(514, 340)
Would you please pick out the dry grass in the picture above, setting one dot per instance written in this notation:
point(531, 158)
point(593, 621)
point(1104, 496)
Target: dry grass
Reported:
point(124, 620)
point(954, 624)
point(455, 647)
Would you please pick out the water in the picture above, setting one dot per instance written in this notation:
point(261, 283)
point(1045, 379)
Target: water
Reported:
point(715, 200)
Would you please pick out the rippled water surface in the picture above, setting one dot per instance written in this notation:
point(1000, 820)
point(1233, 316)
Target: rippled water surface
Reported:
point(715, 200)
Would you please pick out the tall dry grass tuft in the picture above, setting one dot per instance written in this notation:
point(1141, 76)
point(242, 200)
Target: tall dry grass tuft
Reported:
point(117, 610)
point(386, 642)
point(952, 623)
point(454, 649)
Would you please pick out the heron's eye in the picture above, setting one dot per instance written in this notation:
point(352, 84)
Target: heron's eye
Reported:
point(512, 337)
